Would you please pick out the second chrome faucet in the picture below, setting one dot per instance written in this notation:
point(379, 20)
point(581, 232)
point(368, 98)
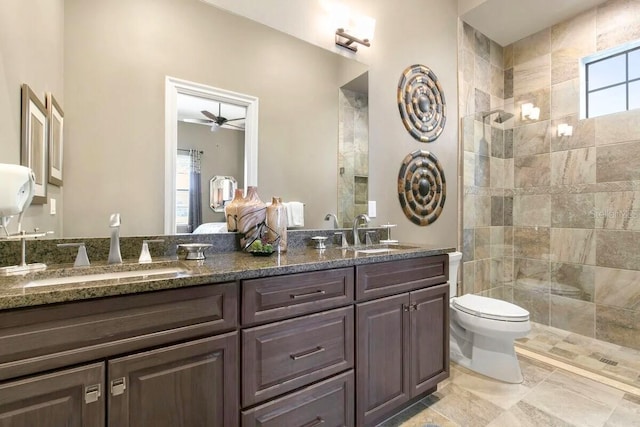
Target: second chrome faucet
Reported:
point(356, 223)
point(114, 248)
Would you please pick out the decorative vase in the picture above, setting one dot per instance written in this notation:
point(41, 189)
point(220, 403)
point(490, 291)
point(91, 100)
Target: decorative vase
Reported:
point(277, 224)
point(251, 214)
point(231, 210)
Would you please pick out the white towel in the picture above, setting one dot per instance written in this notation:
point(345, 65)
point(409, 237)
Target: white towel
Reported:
point(295, 214)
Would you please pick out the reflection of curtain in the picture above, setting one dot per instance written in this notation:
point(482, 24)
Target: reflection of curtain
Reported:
point(195, 190)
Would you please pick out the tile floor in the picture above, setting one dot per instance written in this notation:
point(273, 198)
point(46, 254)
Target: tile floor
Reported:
point(610, 360)
point(549, 396)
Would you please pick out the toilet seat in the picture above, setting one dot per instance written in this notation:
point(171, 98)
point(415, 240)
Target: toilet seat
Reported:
point(490, 308)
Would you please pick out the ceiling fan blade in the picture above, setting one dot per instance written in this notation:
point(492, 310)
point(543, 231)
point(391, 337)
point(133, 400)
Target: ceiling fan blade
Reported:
point(210, 115)
point(231, 120)
point(198, 121)
point(234, 126)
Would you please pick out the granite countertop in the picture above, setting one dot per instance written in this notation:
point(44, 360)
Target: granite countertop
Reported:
point(22, 291)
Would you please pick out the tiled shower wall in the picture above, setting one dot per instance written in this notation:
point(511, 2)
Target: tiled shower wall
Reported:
point(572, 254)
point(353, 156)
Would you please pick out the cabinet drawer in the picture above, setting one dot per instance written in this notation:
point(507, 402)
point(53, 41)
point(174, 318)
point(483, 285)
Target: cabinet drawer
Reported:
point(52, 336)
point(328, 403)
point(283, 356)
point(394, 277)
point(274, 298)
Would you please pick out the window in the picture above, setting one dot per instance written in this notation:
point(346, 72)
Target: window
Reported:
point(183, 176)
point(612, 80)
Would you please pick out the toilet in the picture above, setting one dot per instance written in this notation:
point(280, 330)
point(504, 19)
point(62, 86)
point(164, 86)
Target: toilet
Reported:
point(483, 330)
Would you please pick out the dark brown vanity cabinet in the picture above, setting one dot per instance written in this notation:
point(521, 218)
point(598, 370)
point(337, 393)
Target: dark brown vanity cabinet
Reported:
point(402, 340)
point(155, 383)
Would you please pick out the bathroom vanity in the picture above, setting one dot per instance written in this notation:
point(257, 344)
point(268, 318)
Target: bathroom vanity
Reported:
point(310, 338)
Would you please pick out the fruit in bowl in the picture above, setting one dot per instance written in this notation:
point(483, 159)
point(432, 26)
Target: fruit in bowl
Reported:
point(260, 248)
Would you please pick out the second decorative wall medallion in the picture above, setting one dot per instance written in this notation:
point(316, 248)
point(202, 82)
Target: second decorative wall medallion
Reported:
point(422, 188)
point(421, 103)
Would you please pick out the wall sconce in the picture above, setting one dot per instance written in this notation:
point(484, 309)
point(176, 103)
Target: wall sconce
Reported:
point(529, 112)
point(565, 130)
point(353, 28)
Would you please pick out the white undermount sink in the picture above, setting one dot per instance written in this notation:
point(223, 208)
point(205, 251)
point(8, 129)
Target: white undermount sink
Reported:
point(156, 273)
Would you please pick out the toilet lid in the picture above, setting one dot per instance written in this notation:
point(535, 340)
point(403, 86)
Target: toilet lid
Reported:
point(490, 308)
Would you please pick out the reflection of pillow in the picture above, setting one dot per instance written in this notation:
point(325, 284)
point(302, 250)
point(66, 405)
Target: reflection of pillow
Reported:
point(211, 227)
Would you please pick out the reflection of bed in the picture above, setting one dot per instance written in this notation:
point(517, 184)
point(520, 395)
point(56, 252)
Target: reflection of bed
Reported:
point(211, 227)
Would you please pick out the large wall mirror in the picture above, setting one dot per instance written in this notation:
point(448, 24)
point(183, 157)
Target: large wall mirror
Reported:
point(117, 56)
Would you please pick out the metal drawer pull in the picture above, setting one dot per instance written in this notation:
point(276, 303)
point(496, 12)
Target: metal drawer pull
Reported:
point(307, 353)
point(92, 393)
point(308, 294)
point(313, 423)
point(118, 386)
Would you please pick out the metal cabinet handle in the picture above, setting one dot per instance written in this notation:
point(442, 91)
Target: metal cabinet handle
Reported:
point(315, 422)
point(307, 353)
point(118, 386)
point(92, 393)
point(308, 294)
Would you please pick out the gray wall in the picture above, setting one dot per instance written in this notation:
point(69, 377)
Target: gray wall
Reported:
point(31, 51)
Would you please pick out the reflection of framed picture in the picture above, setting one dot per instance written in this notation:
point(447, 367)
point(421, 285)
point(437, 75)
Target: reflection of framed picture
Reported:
point(34, 141)
point(56, 122)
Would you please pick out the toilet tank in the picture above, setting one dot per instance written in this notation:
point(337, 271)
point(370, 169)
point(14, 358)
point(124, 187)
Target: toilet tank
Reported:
point(454, 266)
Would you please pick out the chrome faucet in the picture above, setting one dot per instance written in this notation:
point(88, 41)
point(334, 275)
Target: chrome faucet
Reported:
point(356, 221)
point(335, 219)
point(114, 247)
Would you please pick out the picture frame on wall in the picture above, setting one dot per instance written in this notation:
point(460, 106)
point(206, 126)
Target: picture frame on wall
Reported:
point(56, 140)
point(34, 150)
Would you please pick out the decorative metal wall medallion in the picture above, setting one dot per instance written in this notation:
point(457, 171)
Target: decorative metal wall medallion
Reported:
point(421, 103)
point(421, 187)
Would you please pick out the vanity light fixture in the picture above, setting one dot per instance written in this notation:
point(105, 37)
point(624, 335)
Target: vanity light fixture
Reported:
point(565, 129)
point(529, 112)
point(346, 40)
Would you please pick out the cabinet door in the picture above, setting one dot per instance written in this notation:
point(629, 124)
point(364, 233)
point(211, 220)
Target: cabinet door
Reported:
point(186, 385)
point(382, 362)
point(71, 397)
point(429, 338)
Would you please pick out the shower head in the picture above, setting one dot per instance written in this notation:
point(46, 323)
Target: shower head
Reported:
point(502, 117)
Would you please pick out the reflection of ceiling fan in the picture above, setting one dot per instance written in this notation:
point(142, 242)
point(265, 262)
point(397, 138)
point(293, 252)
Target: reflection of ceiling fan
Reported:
point(215, 121)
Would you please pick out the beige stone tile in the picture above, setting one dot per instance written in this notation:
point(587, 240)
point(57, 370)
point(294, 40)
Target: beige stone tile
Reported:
point(575, 245)
point(531, 47)
point(583, 133)
point(508, 271)
point(618, 210)
point(532, 75)
point(573, 280)
point(496, 54)
point(617, 288)
point(618, 326)
point(468, 130)
point(468, 277)
point(508, 56)
point(572, 314)
point(616, 128)
point(464, 408)
point(617, 23)
point(626, 414)
point(497, 242)
point(525, 415)
point(469, 210)
point(497, 82)
point(618, 162)
point(468, 66)
point(536, 303)
point(483, 211)
point(482, 279)
point(574, 399)
point(497, 173)
point(481, 139)
point(531, 242)
point(571, 40)
point(469, 168)
point(573, 167)
point(618, 249)
point(532, 138)
point(532, 171)
point(532, 210)
point(482, 74)
point(572, 210)
point(497, 273)
point(508, 172)
point(565, 98)
point(482, 243)
point(497, 392)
